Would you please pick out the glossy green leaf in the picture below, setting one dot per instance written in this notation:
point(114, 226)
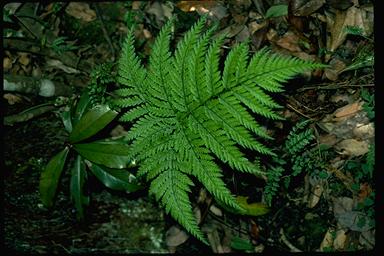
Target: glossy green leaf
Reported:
point(81, 107)
point(50, 177)
point(112, 154)
point(78, 178)
point(92, 122)
point(114, 178)
point(66, 118)
point(276, 11)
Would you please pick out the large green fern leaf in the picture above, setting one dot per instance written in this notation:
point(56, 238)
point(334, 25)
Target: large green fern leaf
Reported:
point(186, 115)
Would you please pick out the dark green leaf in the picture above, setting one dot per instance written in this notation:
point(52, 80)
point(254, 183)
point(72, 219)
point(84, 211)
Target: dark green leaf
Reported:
point(92, 122)
point(241, 244)
point(50, 177)
point(114, 178)
point(276, 11)
point(81, 107)
point(113, 154)
point(66, 117)
point(78, 177)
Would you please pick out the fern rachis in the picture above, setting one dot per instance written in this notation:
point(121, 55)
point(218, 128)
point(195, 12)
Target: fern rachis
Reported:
point(185, 114)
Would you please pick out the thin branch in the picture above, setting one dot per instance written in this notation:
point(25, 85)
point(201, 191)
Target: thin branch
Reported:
point(334, 86)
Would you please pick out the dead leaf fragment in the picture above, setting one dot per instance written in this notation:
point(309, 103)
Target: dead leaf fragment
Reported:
point(24, 59)
point(81, 11)
point(340, 240)
point(364, 131)
point(352, 147)
point(11, 98)
point(289, 41)
point(336, 67)
point(327, 240)
point(315, 195)
point(353, 16)
point(175, 236)
point(305, 7)
point(215, 210)
point(7, 63)
point(348, 109)
point(255, 26)
point(58, 64)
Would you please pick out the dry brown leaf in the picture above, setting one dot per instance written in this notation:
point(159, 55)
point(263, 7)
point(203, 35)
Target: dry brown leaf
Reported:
point(336, 66)
point(289, 41)
point(7, 63)
point(340, 240)
point(58, 64)
point(215, 210)
point(342, 204)
point(81, 11)
point(352, 147)
point(349, 109)
point(315, 195)
point(328, 139)
point(305, 7)
point(255, 26)
point(12, 99)
point(364, 131)
point(243, 34)
point(175, 236)
point(24, 59)
point(357, 17)
point(327, 240)
point(136, 5)
point(364, 192)
point(191, 6)
point(160, 10)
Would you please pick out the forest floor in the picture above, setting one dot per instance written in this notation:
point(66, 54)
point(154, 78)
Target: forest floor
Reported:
point(325, 195)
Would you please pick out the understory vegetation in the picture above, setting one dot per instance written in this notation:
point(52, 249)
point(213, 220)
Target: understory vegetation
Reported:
point(189, 126)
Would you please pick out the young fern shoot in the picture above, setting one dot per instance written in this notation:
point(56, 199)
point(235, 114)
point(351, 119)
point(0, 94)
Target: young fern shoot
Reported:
point(186, 114)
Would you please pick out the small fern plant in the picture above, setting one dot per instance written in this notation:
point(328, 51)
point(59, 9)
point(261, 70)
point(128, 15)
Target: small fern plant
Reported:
point(186, 114)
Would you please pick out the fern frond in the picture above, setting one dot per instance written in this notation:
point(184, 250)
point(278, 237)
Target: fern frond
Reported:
point(186, 114)
point(171, 188)
point(270, 70)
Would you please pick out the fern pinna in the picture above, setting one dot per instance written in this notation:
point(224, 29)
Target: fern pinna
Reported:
point(186, 113)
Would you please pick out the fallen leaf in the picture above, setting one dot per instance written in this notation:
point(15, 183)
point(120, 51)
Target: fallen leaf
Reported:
point(336, 67)
point(353, 16)
point(81, 11)
point(342, 204)
point(364, 192)
point(289, 41)
point(24, 59)
point(352, 147)
point(355, 220)
point(328, 139)
point(191, 6)
point(58, 64)
point(364, 131)
point(243, 34)
point(315, 195)
point(348, 109)
point(305, 7)
point(175, 236)
point(367, 239)
point(7, 63)
point(327, 240)
point(255, 26)
point(340, 240)
point(12, 99)
point(160, 10)
point(215, 210)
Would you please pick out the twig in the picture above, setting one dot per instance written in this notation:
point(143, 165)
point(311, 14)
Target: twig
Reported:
point(297, 111)
point(334, 86)
point(28, 114)
point(287, 243)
